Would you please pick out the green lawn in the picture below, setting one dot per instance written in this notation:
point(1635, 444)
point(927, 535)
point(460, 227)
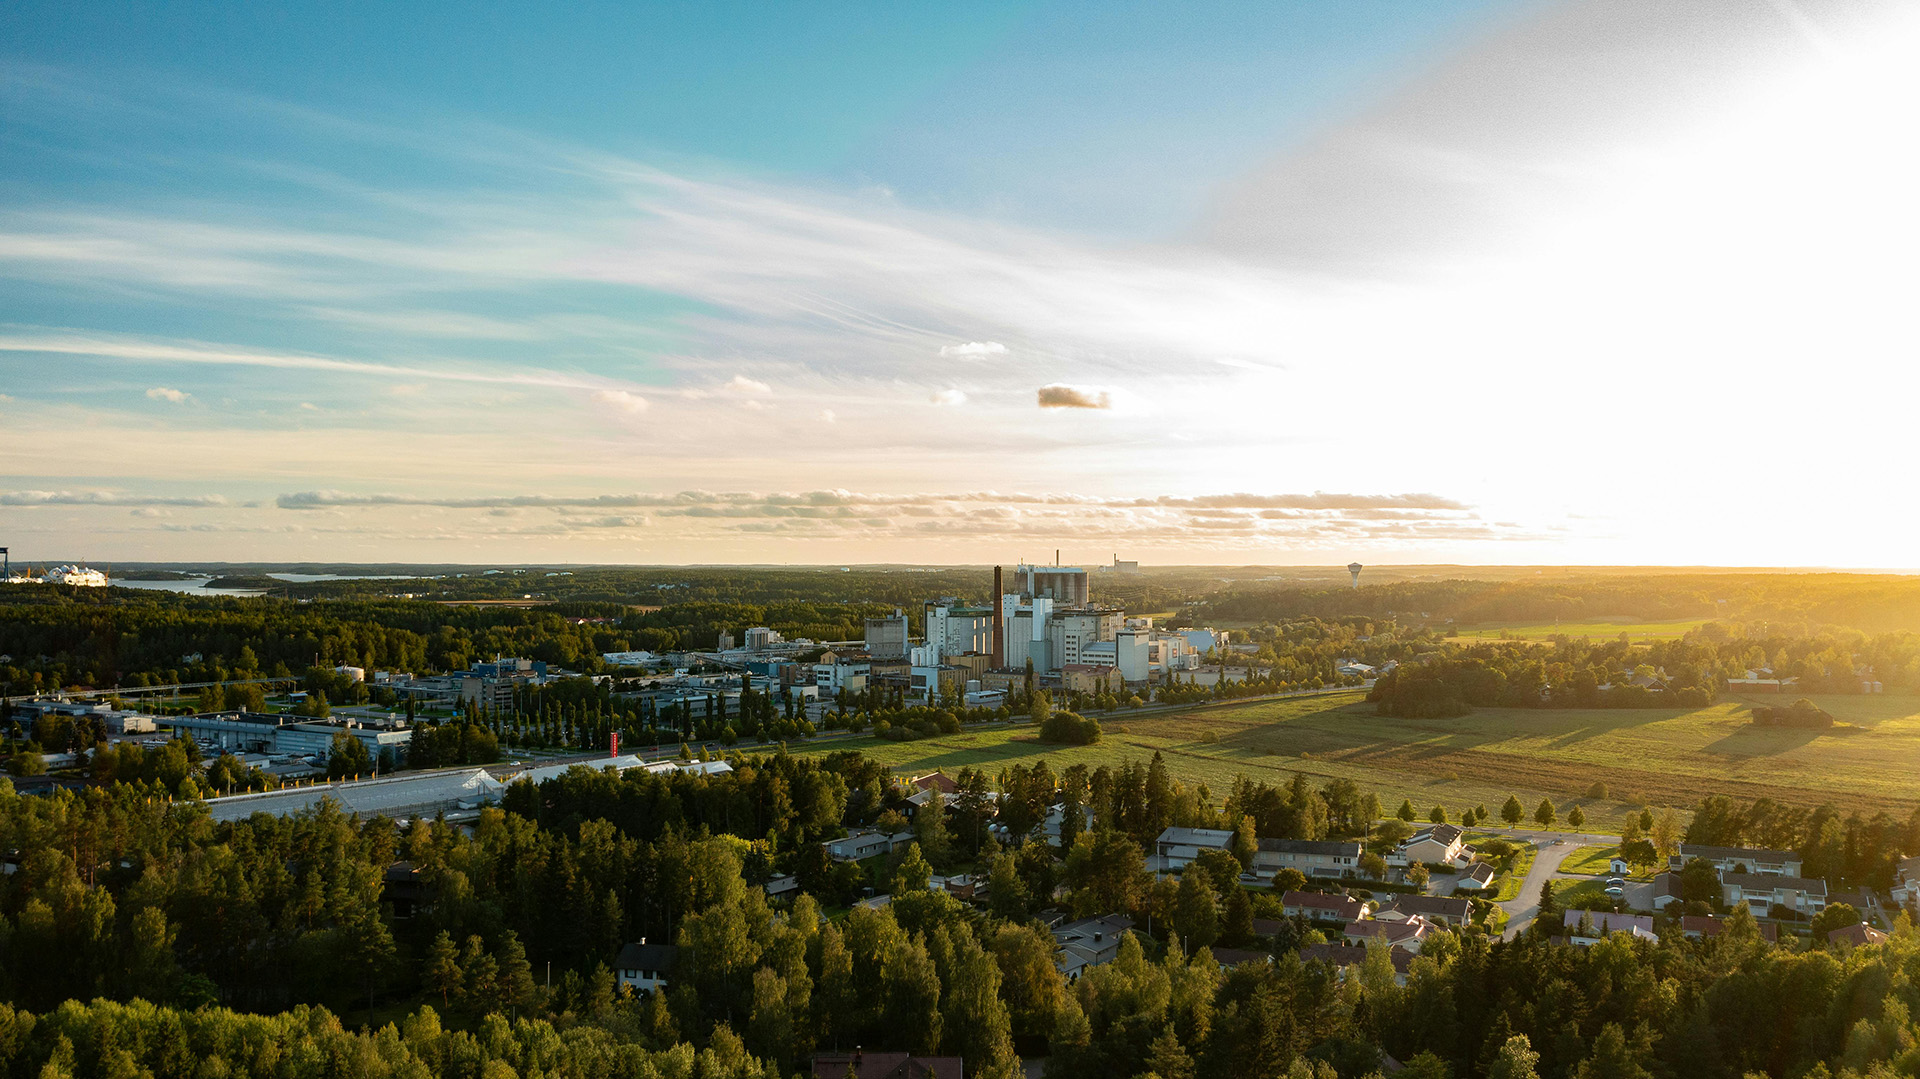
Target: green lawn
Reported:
point(1567, 893)
point(1652, 756)
point(1508, 887)
point(1588, 861)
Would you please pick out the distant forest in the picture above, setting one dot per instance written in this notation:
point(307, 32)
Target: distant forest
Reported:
point(1873, 603)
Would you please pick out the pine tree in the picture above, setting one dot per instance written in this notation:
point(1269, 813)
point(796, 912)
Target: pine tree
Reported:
point(441, 971)
point(517, 987)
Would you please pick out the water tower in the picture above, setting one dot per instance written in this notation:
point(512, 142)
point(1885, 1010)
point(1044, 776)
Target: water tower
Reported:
point(1355, 568)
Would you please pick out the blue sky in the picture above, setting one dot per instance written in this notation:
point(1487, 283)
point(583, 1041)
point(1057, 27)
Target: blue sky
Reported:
point(914, 282)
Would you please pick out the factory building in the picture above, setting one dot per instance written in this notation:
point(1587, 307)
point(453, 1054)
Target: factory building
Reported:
point(493, 683)
point(887, 637)
point(957, 630)
point(283, 735)
point(1066, 586)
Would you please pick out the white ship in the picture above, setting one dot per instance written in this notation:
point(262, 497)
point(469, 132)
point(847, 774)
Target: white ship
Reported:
point(78, 576)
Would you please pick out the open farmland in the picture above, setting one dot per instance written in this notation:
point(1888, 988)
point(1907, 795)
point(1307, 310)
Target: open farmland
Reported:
point(1657, 756)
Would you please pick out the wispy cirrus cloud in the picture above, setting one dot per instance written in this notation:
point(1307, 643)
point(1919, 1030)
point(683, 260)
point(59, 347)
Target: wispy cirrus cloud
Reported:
point(105, 498)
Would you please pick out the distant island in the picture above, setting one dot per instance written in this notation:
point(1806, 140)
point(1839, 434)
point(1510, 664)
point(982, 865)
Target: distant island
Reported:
point(245, 580)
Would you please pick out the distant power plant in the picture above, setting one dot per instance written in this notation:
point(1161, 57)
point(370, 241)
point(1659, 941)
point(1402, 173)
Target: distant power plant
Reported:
point(1355, 568)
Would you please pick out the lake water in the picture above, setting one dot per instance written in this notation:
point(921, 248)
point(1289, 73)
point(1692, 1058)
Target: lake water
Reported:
point(196, 586)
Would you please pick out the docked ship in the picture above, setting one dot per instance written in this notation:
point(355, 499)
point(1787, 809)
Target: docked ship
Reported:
point(78, 576)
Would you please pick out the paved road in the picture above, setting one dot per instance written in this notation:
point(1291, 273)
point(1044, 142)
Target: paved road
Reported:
point(1522, 909)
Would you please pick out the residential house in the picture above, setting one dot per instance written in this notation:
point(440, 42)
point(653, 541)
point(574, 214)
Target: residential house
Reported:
point(1591, 926)
point(1434, 908)
point(406, 890)
point(1322, 907)
point(1666, 890)
point(1783, 863)
point(1906, 877)
point(964, 887)
point(1857, 935)
point(1859, 901)
point(1702, 926)
point(865, 844)
point(933, 785)
point(1233, 957)
point(1347, 956)
point(643, 966)
point(1089, 942)
point(1761, 892)
point(864, 1065)
point(1178, 847)
point(1438, 844)
point(1478, 878)
point(1405, 935)
point(1312, 857)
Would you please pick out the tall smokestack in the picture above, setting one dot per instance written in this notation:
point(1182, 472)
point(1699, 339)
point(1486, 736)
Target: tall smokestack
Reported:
point(999, 624)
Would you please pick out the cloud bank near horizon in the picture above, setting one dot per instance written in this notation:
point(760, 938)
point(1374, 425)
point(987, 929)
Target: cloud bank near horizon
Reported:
point(1435, 295)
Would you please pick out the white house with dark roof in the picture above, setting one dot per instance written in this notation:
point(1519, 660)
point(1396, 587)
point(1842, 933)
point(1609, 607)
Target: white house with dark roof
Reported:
point(1761, 892)
point(1592, 926)
point(1437, 844)
point(1782, 863)
point(1322, 906)
point(644, 967)
point(1179, 847)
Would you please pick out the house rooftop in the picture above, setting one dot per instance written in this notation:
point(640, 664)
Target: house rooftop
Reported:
point(1766, 882)
point(1345, 848)
point(1749, 854)
point(1442, 905)
point(644, 956)
point(864, 1065)
point(1443, 833)
point(1859, 935)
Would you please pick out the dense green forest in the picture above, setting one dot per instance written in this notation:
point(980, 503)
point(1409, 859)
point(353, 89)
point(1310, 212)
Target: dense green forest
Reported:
point(1798, 601)
point(1687, 672)
point(142, 938)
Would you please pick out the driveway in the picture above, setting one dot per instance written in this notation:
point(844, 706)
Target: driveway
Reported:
point(1522, 909)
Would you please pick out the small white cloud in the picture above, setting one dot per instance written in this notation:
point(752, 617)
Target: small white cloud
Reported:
point(744, 385)
point(622, 400)
point(309, 406)
point(163, 393)
point(973, 350)
point(948, 397)
point(756, 406)
point(827, 416)
point(149, 511)
point(1061, 395)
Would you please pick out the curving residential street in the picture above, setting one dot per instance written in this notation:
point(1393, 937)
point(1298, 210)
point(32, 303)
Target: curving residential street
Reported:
point(1523, 908)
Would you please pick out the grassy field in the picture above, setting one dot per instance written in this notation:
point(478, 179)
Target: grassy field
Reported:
point(1599, 627)
point(1650, 756)
point(1508, 886)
